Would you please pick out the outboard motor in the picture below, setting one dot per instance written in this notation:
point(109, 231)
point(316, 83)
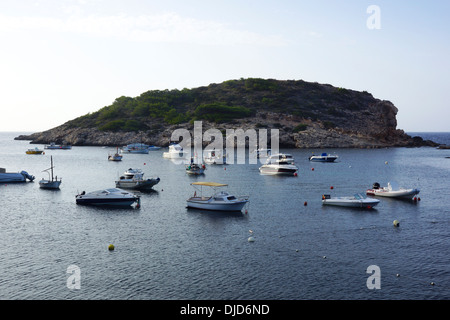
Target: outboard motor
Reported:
point(27, 176)
point(376, 185)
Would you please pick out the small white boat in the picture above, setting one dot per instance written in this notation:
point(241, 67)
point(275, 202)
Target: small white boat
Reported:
point(279, 164)
point(392, 191)
point(115, 157)
point(108, 197)
point(135, 148)
point(214, 157)
point(175, 152)
point(356, 201)
point(218, 201)
point(134, 179)
point(7, 177)
point(324, 157)
point(34, 151)
point(51, 183)
point(54, 146)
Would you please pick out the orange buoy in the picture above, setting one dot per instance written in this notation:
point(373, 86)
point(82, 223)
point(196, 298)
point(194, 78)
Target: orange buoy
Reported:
point(312, 169)
point(331, 187)
point(305, 204)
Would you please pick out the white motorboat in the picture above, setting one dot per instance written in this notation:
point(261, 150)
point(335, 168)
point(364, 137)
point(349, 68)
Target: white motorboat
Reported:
point(194, 168)
point(279, 164)
point(135, 148)
point(324, 157)
point(51, 183)
point(175, 152)
point(392, 191)
point(356, 201)
point(214, 157)
point(218, 201)
point(21, 176)
point(54, 146)
point(116, 156)
point(108, 197)
point(134, 179)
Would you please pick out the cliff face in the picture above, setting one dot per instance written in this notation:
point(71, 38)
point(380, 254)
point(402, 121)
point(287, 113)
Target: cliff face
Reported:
point(307, 115)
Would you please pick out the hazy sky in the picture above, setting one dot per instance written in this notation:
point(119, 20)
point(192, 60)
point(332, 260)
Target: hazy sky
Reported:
point(61, 59)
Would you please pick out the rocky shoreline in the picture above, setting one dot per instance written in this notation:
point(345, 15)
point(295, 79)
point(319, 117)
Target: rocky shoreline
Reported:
point(314, 134)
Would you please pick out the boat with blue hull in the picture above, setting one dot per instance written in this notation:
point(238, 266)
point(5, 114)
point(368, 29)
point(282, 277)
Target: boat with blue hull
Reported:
point(324, 157)
point(8, 177)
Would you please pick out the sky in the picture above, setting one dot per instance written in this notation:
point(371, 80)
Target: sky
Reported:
point(61, 59)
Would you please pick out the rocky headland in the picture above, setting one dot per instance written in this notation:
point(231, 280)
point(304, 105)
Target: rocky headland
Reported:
point(307, 115)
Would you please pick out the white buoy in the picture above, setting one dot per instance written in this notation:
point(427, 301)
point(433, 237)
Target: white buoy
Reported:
point(251, 239)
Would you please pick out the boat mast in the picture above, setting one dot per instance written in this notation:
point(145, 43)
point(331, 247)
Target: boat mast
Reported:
point(51, 165)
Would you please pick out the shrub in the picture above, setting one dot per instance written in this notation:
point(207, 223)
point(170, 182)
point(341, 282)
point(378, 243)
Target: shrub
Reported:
point(300, 127)
point(220, 112)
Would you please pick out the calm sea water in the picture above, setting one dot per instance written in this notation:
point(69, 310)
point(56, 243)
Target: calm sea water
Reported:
point(164, 251)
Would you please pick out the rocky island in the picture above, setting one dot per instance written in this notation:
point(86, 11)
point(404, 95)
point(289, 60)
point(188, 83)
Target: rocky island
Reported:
point(307, 115)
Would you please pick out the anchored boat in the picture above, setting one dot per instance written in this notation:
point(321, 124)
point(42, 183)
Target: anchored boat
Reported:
point(21, 176)
point(54, 146)
point(279, 164)
point(215, 157)
point(218, 201)
point(392, 191)
point(51, 183)
point(34, 151)
point(108, 197)
point(175, 152)
point(134, 179)
point(324, 157)
point(356, 201)
point(138, 148)
point(115, 157)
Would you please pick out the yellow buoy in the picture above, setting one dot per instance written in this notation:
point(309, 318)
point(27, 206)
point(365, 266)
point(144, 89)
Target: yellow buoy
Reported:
point(111, 247)
point(396, 223)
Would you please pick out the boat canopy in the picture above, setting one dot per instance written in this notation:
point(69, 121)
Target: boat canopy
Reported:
point(209, 184)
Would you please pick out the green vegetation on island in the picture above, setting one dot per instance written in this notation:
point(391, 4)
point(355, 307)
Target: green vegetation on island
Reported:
point(225, 102)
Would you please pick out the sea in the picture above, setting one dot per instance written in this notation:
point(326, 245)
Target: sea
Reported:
point(285, 245)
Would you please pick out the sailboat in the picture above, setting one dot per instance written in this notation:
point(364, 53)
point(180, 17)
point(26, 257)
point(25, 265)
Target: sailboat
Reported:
point(115, 157)
point(50, 184)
